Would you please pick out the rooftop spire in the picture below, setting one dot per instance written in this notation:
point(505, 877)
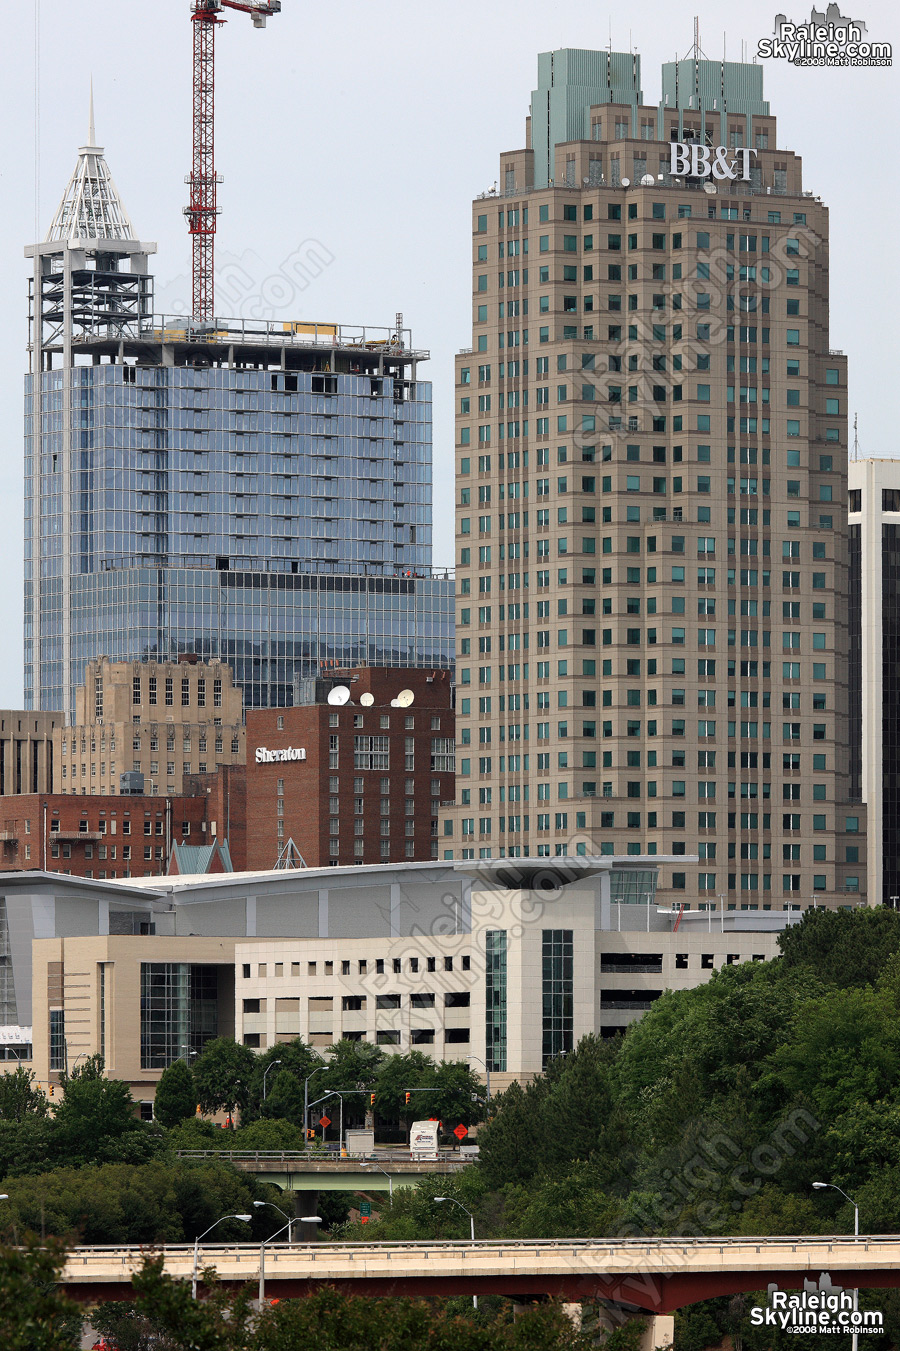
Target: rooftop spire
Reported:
point(91, 207)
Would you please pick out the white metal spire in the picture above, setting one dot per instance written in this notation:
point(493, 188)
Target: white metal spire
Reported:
point(91, 208)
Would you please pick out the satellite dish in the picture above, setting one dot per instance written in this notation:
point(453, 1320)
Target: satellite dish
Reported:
point(626, 182)
point(710, 188)
point(405, 698)
point(367, 700)
point(648, 181)
point(340, 694)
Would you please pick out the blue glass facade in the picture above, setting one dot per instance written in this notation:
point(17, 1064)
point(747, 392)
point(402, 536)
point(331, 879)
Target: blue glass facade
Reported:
point(272, 518)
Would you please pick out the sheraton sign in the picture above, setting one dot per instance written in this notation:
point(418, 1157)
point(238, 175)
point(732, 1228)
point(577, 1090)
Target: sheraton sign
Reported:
point(690, 159)
point(266, 757)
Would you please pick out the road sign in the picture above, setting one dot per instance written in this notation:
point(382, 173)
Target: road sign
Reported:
point(461, 1132)
point(324, 1121)
point(365, 1208)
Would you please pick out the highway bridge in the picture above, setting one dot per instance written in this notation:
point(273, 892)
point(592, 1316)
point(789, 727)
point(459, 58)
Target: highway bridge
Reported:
point(314, 1171)
point(657, 1275)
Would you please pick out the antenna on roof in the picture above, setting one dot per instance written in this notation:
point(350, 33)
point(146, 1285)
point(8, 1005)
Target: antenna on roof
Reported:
point(855, 454)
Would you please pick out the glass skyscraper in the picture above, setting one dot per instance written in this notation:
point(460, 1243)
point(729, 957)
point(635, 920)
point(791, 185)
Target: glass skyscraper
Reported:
point(255, 492)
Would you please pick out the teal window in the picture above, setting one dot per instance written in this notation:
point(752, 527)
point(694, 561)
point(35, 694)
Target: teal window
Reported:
point(495, 985)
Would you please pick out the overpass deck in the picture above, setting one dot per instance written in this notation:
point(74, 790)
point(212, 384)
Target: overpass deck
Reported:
point(310, 1170)
point(658, 1275)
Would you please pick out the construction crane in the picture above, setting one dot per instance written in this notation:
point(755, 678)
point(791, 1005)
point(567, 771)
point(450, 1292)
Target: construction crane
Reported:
point(203, 179)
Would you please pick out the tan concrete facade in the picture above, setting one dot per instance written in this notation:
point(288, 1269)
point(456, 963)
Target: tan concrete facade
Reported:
point(874, 518)
point(26, 750)
point(165, 720)
point(96, 982)
point(651, 529)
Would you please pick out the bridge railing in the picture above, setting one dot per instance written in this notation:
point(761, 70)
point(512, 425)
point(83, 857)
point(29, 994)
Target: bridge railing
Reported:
point(326, 1156)
point(860, 1245)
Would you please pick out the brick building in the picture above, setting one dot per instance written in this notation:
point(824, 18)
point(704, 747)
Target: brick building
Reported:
point(108, 837)
point(360, 783)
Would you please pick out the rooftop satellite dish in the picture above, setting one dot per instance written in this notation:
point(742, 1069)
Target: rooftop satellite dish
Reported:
point(395, 703)
point(405, 698)
point(648, 181)
point(710, 188)
point(367, 700)
point(339, 695)
point(626, 182)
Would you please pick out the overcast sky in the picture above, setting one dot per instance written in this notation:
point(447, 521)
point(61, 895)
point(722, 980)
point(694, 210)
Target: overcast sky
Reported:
point(369, 128)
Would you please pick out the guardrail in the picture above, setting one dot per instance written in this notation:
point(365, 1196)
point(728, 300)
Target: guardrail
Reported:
point(325, 1156)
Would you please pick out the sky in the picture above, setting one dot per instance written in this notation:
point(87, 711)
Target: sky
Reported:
point(368, 129)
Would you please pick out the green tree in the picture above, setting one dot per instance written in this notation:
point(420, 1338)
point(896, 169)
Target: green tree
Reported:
point(353, 1064)
point(25, 1146)
point(459, 1094)
point(222, 1074)
point(512, 1143)
point(96, 1123)
point(284, 1100)
point(35, 1315)
point(176, 1097)
point(844, 947)
point(271, 1134)
point(294, 1055)
point(397, 1075)
point(19, 1098)
point(157, 1202)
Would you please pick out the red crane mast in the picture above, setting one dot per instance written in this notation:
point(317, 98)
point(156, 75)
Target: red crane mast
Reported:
point(203, 179)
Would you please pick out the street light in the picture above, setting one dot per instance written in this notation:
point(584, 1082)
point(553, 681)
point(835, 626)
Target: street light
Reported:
point(368, 1163)
point(487, 1072)
point(265, 1072)
point(820, 1186)
point(222, 1218)
point(290, 1222)
point(453, 1201)
point(306, 1098)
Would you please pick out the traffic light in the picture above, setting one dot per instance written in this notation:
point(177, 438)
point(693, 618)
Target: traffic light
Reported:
point(52, 1089)
point(371, 1099)
point(408, 1096)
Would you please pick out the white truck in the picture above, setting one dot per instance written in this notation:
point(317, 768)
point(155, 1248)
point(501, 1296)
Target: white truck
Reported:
point(424, 1137)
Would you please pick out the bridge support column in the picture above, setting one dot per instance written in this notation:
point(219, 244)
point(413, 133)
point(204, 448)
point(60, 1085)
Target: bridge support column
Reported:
point(659, 1329)
point(306, 1203)
point(659, 1332)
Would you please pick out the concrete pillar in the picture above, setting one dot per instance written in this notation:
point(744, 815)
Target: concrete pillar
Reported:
point(306, 1203)
point(659, 1332)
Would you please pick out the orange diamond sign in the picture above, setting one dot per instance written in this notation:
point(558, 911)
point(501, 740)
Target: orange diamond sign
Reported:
point(461, 1132)
point(325, 1121)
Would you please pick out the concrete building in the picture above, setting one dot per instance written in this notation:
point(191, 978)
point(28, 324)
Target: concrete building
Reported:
point(159, 721)
point(874, 725)
point(111, 836)
point(253, 493)
point(26, 750)
point(651, 449)
point(503, 964)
